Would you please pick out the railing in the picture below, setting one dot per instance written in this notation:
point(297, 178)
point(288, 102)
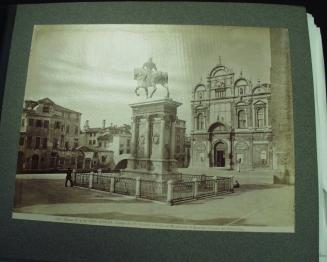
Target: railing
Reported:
point(225, 184)
point(186, 191)
point(182, 191)
point(153, 190)
point(206, 188)
point(81, 179)
point(190, 177)
point(125, 186)
point(171, 191)
point(101, 182)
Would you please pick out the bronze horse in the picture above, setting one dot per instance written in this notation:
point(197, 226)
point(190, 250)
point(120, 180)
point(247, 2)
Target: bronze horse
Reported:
point(145, 81)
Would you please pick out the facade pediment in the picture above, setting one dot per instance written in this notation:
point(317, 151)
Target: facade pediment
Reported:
point(258, 103)
point(260, 89)
point(220, 70)
point(241, 82)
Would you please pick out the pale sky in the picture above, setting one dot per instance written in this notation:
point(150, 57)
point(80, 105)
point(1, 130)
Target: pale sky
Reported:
point(89, 68)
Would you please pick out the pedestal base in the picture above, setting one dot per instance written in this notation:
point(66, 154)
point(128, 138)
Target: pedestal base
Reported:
point(152, 169)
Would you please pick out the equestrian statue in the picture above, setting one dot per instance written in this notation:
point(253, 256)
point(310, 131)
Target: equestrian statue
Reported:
point(149, 77)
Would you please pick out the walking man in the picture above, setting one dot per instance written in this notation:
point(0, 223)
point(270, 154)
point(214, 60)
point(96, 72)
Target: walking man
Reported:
point(69, 177)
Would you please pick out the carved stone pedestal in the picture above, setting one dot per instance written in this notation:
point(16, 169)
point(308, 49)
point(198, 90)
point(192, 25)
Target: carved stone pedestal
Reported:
point(153, 140)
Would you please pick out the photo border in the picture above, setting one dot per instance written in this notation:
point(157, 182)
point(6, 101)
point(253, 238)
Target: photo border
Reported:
point(71, 242)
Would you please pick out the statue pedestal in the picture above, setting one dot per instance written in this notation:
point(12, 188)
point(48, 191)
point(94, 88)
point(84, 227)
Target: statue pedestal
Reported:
point(153, 140)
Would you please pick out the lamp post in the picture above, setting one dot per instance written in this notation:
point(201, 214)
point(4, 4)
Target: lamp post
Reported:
point(232, 138)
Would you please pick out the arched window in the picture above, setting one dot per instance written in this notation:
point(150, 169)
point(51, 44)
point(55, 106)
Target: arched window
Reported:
point(241, 91)
point(241, 119)
point(200, 122)
point(200, 94)
point(260, 117)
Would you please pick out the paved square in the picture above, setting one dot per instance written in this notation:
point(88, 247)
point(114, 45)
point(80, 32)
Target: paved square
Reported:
point(250, 205)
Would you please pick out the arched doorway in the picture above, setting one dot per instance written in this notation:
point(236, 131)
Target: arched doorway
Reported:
point(35, 162)
point(122, 164)
point(219, 154)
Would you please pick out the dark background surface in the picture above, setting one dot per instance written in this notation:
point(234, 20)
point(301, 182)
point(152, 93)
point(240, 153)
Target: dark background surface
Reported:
point(6, 20)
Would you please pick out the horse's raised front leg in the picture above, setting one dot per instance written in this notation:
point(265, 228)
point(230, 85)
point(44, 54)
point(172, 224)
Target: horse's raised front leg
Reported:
point(154, 90)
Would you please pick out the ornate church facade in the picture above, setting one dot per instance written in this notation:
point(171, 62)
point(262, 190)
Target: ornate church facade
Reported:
point(231, 122)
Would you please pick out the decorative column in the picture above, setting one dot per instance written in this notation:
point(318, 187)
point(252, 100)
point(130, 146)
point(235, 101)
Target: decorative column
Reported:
point(136, 133)
point(147, 140)
point(231, 156)
point(251, 152)
point(162, 137)
point(193, 118)
point(133, 137)
point(172, 139)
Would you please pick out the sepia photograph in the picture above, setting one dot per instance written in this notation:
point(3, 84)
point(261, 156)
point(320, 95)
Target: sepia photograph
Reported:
point(183, 127)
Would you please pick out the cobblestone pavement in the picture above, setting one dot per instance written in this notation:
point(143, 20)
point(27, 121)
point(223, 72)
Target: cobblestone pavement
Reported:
point(250, 205)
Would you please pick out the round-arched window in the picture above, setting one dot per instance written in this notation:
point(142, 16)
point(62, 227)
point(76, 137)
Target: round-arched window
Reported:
point(241, 117)
point(260, 115)
point(199, 92)
point(200, 121)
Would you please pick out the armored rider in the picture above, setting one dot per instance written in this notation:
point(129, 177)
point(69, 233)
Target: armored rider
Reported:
point(149, 67)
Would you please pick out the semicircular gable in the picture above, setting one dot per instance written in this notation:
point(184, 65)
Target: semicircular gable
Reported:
point(259, 102)
point(241, 82)
point(219, 70)
point(199, 87)
point(199, 92)
point(259, 90)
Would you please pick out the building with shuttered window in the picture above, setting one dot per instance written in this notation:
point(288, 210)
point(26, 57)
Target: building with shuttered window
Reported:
point(49, 136)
